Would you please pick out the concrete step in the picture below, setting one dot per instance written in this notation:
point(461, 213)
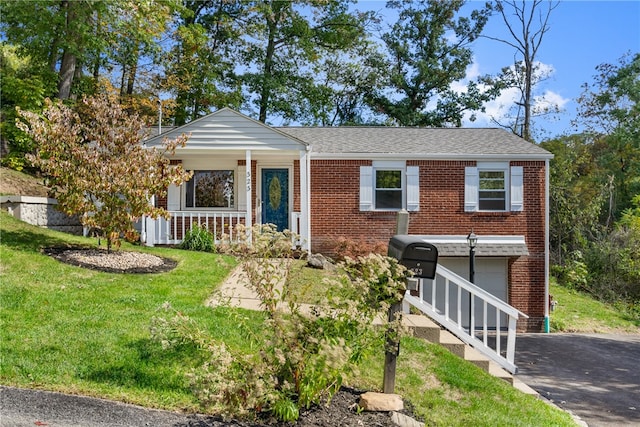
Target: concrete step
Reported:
point(474, 356)
point(517, 383)
point(498, 372)
point(423, 327)
point(452, 343)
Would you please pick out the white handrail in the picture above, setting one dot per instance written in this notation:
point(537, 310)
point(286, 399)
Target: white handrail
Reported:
point(171, 231)
point(427, 302)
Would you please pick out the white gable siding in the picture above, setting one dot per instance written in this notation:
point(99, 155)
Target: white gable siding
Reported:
point(229, 130)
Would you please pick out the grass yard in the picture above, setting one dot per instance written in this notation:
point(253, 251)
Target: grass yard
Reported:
point(74, 330)
point(577, 312)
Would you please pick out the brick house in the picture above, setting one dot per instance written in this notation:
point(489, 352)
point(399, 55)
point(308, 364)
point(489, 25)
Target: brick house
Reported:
point(327, 183)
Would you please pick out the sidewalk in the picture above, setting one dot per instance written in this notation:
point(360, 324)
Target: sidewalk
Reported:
point(235, 291)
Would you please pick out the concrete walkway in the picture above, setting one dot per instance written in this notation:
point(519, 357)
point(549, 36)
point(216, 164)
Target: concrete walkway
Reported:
point(234, 291)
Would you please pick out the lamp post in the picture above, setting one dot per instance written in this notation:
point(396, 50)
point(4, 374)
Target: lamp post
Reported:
point(472, 241)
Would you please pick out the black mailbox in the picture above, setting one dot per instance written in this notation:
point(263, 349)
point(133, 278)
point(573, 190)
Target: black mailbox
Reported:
point(415, 254)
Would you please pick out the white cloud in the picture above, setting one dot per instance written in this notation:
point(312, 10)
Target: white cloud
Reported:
point(498, 110)
point(549, 101)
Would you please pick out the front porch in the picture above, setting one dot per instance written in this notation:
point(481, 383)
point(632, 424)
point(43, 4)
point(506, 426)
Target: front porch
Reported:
point(222, 224)
point(243, 173)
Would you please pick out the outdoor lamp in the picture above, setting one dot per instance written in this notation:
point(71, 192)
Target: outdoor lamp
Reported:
point(472, 240)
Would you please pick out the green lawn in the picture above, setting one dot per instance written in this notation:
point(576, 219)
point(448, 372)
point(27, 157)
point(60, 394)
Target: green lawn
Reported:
point(577, 312)
point(74, 330)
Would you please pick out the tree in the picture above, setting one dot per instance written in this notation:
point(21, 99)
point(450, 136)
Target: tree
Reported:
point(63, 34)
point(610, 109)
point(428, 49)
point(96, 165)
point(200, 65)
point(284, 41)
point(337, 94)
point(19, 87)
point(577, 195)
point(527, 22)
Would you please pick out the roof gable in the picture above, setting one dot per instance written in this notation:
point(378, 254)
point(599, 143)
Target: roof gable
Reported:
point(228, 129)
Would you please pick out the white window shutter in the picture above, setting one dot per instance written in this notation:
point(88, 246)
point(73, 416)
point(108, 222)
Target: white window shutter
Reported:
point(470, 189)
point(366, 188)
point(517, 193)
point(173, 198)
point(413, 188)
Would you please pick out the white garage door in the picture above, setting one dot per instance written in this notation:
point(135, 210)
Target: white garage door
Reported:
point(490, 275)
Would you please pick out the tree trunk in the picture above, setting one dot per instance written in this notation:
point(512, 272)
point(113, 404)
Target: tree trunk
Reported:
point(68, 66)
point(267, 74)
point(65, 77)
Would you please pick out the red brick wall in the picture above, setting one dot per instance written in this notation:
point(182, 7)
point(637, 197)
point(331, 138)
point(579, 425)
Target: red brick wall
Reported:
point(335, 211)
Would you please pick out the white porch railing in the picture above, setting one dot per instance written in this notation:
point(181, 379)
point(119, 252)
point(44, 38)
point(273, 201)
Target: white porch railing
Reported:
point(461, 306)
point(171, 231)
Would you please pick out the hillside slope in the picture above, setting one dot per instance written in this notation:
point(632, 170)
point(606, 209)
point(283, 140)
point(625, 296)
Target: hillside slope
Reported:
point(14, 183)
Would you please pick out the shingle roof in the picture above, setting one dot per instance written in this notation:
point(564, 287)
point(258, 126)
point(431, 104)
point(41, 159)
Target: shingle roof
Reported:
point(488, 246)
point(417, 142)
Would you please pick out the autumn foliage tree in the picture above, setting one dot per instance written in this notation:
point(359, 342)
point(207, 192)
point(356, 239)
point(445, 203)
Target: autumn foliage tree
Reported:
point(97, 167)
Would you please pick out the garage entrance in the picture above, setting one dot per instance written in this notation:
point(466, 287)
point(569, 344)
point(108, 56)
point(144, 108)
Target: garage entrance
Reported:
point(490, 275)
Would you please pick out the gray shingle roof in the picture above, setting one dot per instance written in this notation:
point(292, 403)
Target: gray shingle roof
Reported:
point(488, 246)
point(437, 143)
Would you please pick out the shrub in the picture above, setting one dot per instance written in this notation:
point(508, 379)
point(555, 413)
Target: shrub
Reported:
point(614, 266)
point(349, 248)
point(198, 238)
point(574, 275)
point(303, 357)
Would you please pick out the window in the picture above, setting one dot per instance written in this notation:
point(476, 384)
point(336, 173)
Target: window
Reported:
point(492, 195)
point(210, 189)
point(493, 187)
point(388, 192)
point(389, 186)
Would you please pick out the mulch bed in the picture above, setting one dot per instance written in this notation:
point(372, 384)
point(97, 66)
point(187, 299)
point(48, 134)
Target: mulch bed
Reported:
point(341, 412)
point(113, 261)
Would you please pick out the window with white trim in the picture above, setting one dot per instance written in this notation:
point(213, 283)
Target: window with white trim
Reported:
point(389, 186)
point(210, 189)
point(493, 186)
point(388, 189)
point(492, 190)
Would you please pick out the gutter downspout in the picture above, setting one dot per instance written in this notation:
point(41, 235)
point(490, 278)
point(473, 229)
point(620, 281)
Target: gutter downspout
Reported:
point(546, 248)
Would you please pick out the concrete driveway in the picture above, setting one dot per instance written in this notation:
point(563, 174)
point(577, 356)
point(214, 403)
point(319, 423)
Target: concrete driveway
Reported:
point(594, 376)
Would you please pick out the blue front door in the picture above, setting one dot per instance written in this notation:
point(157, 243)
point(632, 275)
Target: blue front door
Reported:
point(275, 197)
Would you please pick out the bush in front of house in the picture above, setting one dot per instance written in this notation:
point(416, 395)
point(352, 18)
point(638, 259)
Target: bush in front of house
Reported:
point(300, 357)
point(198, 238)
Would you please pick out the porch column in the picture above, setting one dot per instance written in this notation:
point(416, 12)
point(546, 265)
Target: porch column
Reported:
point(148, 235)
point(305, 198)
point(248, 214)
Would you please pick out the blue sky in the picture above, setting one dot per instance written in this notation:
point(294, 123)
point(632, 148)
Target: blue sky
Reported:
point(582, 35)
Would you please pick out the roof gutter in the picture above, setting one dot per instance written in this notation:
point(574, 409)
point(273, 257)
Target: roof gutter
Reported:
point(436, 156)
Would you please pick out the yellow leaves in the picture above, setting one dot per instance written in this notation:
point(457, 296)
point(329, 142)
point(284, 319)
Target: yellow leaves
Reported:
point(94, 160)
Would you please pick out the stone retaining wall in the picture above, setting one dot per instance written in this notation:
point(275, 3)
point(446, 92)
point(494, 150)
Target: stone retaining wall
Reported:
point(40, 211)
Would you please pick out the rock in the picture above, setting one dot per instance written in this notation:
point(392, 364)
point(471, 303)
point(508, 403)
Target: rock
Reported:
point(371, 401)
point(402, 420)
point(319, 261)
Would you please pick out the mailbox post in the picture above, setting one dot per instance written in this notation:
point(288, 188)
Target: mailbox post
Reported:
point(421, 258)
